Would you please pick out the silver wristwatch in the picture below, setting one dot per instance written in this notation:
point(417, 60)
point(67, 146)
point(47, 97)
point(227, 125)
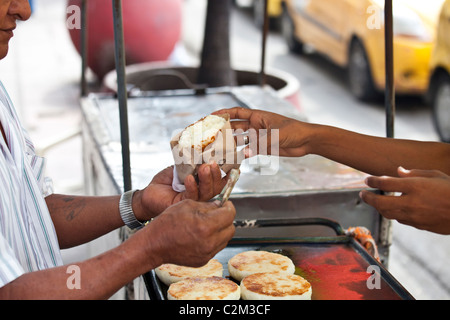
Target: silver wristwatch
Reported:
point(126, 211)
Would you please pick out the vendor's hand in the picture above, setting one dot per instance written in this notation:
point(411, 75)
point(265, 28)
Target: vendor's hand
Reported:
point(190, 233)
point(159, 194)
point(291, 132)
point(424, 202)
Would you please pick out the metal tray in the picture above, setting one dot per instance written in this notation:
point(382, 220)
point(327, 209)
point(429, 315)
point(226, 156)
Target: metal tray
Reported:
point(337, 267)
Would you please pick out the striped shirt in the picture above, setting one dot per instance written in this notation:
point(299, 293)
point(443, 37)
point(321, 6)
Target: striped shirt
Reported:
point(28, 240)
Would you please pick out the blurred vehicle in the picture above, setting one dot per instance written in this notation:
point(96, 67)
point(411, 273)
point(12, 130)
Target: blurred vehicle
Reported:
point(351, 34)
point(274, 11)
point(439, 90)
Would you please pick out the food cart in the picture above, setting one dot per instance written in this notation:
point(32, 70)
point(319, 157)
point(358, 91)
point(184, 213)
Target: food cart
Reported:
point(298, 206)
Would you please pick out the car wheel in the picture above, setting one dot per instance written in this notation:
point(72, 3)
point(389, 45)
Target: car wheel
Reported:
point(288, 32)
point(359, 73)
point(441, 107)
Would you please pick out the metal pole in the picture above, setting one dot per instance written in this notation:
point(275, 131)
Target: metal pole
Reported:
point(84, 27)
point(262, 75)
point(122, 92)
point(386, 224)
point(389, 58)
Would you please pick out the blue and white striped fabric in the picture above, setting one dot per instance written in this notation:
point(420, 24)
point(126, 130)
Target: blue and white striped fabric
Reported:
point(28, 240)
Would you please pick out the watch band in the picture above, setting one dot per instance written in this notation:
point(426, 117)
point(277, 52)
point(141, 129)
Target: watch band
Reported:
point(126, 211)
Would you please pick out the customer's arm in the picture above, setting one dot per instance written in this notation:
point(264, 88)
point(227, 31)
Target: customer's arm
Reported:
point(376, 155)
point(373, 155)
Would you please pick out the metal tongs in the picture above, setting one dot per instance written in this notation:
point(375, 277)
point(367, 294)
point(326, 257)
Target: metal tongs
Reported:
point(226, 192)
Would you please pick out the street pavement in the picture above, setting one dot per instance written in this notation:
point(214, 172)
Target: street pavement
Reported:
point(42, 73)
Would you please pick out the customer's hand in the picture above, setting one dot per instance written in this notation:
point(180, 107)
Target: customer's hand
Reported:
point(159, 194)
point(190, 233)
point(424, 201)
point(290, 138)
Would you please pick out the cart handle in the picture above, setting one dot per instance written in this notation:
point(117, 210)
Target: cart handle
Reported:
point(260, 223)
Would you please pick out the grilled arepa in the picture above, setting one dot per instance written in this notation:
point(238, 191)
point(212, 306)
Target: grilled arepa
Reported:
point(171, 273)
point(204, 288)
point(202, 133)
point(208, 140)
point(249, 262)
point(275, 286)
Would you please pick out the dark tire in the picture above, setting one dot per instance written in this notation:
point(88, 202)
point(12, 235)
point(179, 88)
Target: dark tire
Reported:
point(441, 107)
point(360, 74)
point(288, 32)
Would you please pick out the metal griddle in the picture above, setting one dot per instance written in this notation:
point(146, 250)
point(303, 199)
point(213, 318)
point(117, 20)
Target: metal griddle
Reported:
point(336, 266)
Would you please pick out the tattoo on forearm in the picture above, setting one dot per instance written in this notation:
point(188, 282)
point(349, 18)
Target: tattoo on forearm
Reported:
point(73, 207)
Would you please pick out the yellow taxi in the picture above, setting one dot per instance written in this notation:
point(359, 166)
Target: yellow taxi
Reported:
point(351, 34)
point(439, 89)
